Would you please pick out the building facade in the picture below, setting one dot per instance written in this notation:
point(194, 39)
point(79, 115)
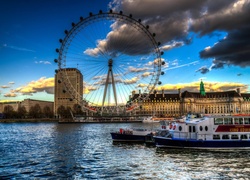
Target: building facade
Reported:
point(181, 103)
point(68, 92)
point(27, 104)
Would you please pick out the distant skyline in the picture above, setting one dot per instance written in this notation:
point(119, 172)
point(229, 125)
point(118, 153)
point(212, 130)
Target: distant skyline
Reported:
point(201, 40)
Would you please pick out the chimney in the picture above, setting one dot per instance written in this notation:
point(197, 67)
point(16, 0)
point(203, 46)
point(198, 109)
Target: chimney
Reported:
point(163, 95)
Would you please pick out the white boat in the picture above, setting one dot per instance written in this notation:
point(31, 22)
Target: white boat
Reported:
point(208, 132)
point(150, 120)
point(156, 119)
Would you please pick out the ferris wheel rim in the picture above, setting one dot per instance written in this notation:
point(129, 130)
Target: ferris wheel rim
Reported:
point(65, 43)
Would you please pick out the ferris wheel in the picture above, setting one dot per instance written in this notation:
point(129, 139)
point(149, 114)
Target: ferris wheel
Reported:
point(118, 57)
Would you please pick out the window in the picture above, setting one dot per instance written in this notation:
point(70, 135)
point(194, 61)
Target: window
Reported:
point(230, 121)
point(190, 129)
point(225, 136)
point(236, 120)
point(234, 136)
point(194, 129)
point(243, 136)
point(201, 128)
point(180, 128)
point(241, 120)
point(226, 120)
point(246, 120)
point(218, 121)
point(216, 136)
point(206, 128)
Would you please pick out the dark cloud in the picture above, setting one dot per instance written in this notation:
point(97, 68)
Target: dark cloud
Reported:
point(233, 50)
point(174, 20)
point(203, 70)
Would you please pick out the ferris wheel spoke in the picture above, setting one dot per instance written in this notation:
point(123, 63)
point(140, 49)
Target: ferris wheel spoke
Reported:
point(116, 56)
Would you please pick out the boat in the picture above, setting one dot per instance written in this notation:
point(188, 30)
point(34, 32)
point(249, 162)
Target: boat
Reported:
point(130, 135)
point(208, 132)
point(156, 119)
point(150, 120)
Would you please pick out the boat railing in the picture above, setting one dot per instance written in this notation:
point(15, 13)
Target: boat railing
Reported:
point(191, 136)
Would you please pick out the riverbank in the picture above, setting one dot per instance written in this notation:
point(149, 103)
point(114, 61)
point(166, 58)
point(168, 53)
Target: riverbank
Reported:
point(68, 120)
point(28, 120)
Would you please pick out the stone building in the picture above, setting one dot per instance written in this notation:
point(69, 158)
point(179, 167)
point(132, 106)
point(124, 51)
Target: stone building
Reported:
point(181, 103)
point(27, 103)
point(68, 92)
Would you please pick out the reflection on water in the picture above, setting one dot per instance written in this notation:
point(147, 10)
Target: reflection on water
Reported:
point(86, 151)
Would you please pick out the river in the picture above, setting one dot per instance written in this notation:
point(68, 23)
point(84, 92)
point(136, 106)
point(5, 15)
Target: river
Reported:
point(86, 151)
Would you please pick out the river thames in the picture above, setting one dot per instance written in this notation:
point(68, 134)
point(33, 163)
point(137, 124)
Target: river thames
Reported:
point(86, 151)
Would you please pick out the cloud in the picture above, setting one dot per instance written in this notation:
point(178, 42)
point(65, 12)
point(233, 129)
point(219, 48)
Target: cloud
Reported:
point(42, 62)
point(18, 48)
point(11, 82)
point(10, 95)
point(174, 21)
point(203, 70)
point(174, 44)
point(209, 87)
point(133, 69)
point(5, 86)
point(232, 50)
point(166, 67)
point(41, 85)
point(131, 81)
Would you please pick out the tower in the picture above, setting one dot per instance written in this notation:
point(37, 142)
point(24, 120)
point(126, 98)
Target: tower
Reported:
point(62, 96)
point(202, 89)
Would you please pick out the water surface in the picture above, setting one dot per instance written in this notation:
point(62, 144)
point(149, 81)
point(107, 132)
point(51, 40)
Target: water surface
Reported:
point(86, 151)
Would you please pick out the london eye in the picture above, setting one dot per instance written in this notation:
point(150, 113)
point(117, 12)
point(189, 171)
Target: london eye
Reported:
point(118, 57)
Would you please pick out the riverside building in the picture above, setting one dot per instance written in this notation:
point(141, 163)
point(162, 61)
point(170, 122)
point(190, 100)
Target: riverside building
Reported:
point(161, 104)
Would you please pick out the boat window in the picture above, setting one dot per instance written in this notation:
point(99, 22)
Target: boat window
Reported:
point(226, 120)
point(241, 120)
point(180, 128)
point(193, 128)
point(206, 128)
point(234, 136)
point(225, 136)
point(243, 136)
point(201, 128)
point(218, 121)
point(190, 129)
point(216, 136)
point(230, 121)
point(246, 120)
point(236, 120)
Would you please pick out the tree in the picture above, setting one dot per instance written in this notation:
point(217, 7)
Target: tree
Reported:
point(61, 110)
point(8, 111)
point(47, 112)
point(35, 111)
point(21, 112)
point(77, 109)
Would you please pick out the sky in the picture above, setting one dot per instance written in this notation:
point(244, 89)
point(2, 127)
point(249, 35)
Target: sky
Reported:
point(201, 40)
